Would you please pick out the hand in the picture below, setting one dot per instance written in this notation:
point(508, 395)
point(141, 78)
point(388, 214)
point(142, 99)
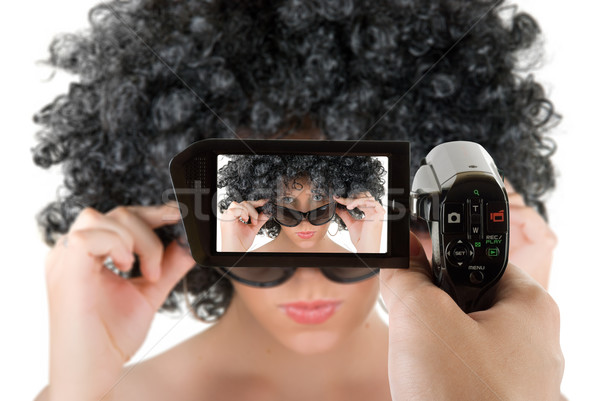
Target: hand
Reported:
point(237, 235)
point(532, 242)
point(366, 232)
point(98, 319)
point(436, 352)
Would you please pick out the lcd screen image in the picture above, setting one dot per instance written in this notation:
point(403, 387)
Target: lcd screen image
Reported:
point(301, 203)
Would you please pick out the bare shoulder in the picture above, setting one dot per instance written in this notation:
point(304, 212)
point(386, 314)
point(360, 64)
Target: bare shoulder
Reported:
point(185, 372)
point(268, 247)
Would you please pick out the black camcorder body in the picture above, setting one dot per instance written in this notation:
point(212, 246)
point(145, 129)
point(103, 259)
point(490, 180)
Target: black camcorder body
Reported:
point(457, 191)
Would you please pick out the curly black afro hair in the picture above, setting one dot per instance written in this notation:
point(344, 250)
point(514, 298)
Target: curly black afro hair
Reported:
point(254, 177)
point(157, 75)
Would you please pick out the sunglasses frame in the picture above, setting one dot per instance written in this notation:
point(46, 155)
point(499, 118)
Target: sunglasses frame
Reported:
point(305, 215)
point(289, 272)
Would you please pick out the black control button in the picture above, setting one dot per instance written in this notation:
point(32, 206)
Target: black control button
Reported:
point(459, 252)
point(475, 206)
point(475, 230)
point(496, 217)
point(476, 277)
point(492, 252)
point(454, 218)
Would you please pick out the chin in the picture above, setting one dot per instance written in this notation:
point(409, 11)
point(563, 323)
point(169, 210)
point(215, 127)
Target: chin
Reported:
point(306, 244)
point(312, 342)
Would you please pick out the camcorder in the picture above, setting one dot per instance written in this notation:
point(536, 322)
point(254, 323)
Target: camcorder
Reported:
point(460, 193)
point(224, 184)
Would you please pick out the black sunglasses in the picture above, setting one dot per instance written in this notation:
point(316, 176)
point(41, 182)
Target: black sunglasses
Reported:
point(317, 217)
point(272, 276)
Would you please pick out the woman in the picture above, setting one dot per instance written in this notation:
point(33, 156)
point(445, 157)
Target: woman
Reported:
point(303, 194)
point(155, 76)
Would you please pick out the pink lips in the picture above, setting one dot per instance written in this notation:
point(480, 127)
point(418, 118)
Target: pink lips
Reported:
point(305, 234)
point(313, 312)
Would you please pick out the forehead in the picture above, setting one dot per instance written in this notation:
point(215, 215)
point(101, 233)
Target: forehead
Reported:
point(297, 186)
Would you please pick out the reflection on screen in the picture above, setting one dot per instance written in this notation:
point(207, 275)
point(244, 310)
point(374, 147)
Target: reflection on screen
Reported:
point(302, 203)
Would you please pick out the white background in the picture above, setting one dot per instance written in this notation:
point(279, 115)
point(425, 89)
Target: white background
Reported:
point(570, 74)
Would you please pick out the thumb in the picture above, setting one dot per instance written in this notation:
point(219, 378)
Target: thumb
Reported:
point(345, 216)
point(177, 261)
point(395, 284)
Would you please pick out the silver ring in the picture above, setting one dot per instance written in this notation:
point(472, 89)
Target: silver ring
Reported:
point(110, 265)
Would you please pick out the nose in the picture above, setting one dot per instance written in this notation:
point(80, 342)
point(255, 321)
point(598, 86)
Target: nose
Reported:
point(305, 225)
point(308, 274)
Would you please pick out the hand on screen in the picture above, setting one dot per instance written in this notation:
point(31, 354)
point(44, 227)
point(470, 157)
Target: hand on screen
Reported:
point(240, 224)
point(366, 232)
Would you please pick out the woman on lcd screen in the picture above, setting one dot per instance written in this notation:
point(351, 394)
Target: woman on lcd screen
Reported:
point(294, 200)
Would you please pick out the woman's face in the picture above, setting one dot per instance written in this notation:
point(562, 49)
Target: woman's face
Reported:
point(264, 307)
point(301, 196)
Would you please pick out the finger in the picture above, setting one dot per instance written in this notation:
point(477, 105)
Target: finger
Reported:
point(345, 216)
point(515, 286)
point(365, 202)
point(177, 262)
point(397, 283)
point(159, 215)
point(365, 194)
point(519, 295)
point(341, 200)
point(260, 220)
point(90, 218)
point(86, 250)
point(251, 211)
point(531, 224)
point(235, 211)
point(147, 245)
point(263, 217)
point(242, 213)
point(257, 203)
point(514, 198)
point(369, 206)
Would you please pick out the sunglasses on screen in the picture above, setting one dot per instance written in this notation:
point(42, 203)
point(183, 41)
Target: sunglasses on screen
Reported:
point(317, 217)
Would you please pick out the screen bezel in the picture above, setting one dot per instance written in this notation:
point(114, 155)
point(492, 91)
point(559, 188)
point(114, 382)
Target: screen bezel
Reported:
point(201, 231)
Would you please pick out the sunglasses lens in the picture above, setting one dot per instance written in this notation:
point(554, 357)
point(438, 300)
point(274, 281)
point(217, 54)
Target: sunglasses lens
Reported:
point(322, 214)
point(349, 274)
point(259, 276)
point(288, 217)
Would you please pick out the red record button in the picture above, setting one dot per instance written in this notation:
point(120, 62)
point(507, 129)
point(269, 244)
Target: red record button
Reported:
point(496, 217)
